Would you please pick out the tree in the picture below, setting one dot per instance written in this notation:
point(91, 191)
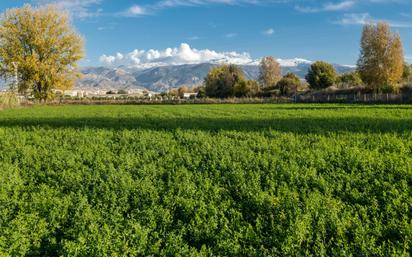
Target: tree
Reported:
point(246, 88)
point(381, 59)
point(350, 79)
point(122, 92)
point(201, 91)
point(182, 90)
point(270, 72)
point(44, 47)
point(220, 81)
point(321, 75)
point(407, 73)
point(289, 84)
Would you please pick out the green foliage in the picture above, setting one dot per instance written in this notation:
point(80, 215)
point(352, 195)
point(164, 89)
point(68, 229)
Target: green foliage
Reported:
point(321, 75)
point(351, 79)
point(407, 74)
point(247, 88)
point(201, 91)
point(289, 84)
point(122, 92)
point(220, 82)
point(206, 180)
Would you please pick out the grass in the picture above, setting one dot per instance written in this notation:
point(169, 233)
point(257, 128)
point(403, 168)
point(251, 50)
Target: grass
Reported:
point(206, 180)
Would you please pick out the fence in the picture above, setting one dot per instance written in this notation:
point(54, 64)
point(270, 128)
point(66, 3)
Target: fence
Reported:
point(354, 98)
point(307, 98)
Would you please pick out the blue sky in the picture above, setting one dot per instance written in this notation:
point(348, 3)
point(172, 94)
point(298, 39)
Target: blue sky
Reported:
point(117, 31)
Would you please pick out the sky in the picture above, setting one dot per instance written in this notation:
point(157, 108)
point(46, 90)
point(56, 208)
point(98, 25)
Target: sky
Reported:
point(143, 32)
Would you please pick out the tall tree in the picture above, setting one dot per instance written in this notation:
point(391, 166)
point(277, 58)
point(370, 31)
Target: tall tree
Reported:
point(381, 60)
point(221, 81)
point(270, 72)
point(44, 48)
point(321, 75)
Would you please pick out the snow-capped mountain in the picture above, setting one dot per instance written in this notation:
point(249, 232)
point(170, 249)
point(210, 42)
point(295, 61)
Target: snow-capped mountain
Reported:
point(163, 77)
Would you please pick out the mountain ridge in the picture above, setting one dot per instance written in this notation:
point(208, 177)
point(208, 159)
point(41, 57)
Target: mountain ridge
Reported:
point(164, 77)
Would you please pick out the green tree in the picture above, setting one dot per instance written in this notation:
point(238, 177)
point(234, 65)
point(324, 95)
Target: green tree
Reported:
point(381, 59)
point(350, 79)
point(246, 88)
point(321, 75)
point(407, 73)
point(201, 91)
point(122, 92)
point(289, 84)
point(44, 47)
point(270, 72)
point(220, 81)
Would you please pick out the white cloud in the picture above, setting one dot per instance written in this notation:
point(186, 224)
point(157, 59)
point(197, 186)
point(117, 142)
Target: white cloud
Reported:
point(355, 19)
point(269, 32)
point(328, 7)
point(184, 54)
point(167, 4)
point(77, 8)
point(193, 38)
point(365, 18)
point(135, 10)
point(230, 35)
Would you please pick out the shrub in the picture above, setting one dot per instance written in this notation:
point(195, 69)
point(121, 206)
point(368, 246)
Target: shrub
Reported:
point(321, 75)
point(122, 92)
point(246, 88)
point(351, 79)
point(289, 84)
point(220, 81)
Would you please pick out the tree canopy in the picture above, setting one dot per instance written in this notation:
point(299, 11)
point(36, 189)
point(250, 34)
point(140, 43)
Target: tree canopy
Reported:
point(407, 73)
point(321, 75)
point(349, 79)
point(289, 84)
point(43, 46)
point(221, 80)
point(270, 72)
point(381, 60)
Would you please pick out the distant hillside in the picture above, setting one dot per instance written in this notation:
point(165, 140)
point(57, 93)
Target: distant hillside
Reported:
point(166, 77)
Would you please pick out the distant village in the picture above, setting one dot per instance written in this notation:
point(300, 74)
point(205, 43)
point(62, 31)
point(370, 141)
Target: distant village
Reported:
point(111, 94)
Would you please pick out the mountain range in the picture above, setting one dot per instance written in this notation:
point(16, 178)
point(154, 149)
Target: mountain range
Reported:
point(162, 78)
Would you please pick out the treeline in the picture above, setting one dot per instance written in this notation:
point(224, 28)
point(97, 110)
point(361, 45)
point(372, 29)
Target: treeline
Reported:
point(380, 69)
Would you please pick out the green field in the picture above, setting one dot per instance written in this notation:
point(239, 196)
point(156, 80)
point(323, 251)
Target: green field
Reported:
point(206, 180)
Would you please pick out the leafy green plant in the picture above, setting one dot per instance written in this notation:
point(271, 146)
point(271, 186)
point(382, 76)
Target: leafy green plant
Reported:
point(206, 180)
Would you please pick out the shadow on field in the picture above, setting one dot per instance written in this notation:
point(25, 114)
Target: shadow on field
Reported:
point(295, 125)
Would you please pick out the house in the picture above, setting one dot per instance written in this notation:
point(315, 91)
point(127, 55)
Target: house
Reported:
point(189, 95)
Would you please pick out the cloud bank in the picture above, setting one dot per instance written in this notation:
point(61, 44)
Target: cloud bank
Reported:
point(77, 8)
point(184, 54)
point(366, 18)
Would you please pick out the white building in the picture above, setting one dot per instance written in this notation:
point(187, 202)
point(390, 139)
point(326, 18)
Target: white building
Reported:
point(189, 95)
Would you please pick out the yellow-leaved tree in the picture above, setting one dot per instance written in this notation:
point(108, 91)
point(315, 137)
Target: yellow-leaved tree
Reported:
point(42, 46)
point(270, 72)
point(381, 61)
